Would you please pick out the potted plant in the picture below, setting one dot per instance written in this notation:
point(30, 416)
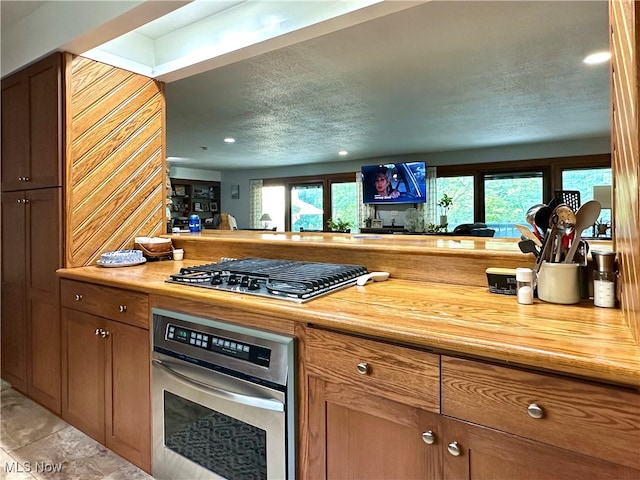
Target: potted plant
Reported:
point(445, 202)
point(339, 225)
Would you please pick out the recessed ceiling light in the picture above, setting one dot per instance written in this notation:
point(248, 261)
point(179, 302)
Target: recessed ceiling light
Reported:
point(597, 57)
point(229, 140)
point(342, 152)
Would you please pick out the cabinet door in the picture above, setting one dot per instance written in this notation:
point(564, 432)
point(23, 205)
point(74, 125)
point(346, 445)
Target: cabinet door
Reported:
point(489, 454)
point(14, 319)
point(31, 126)
point(128, 414)
point(15, 134)
point(83, 372)
point(44, 257)
point(361, 436)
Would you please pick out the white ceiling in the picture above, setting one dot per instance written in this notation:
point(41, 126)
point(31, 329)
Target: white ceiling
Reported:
point(437, 77)
point(441, 76)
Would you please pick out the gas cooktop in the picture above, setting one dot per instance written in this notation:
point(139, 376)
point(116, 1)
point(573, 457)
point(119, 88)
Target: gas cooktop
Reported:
point(286, 279)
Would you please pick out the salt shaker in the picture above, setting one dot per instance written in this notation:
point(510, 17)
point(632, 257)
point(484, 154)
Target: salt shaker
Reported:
point(524, 285)
point(604, 279)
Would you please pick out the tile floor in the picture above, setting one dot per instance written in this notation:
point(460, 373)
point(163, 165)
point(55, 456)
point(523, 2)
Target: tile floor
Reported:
point(35, 444)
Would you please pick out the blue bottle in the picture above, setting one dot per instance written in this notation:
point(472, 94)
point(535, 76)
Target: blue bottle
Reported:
point(194, 223)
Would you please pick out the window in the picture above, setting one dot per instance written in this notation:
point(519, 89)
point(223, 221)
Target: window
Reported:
point(507, 199)
point(461, 190)
point(584, 180)
point(502, 192)
point(309, 202)
point(273, 204)
point(344, 202)
point(306, 207)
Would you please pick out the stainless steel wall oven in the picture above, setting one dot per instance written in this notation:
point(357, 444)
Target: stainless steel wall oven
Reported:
point(222, 400)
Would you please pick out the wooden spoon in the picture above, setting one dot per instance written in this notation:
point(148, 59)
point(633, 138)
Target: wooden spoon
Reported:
point(586, 216)
point(528, 234)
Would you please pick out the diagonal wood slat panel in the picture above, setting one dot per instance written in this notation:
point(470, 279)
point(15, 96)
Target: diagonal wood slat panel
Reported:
point(120, 101)
point(624, 17)
point(115, 142)
point(115, 159)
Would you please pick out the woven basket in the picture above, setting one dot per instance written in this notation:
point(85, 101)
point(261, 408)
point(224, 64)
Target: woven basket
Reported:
point(154, 247)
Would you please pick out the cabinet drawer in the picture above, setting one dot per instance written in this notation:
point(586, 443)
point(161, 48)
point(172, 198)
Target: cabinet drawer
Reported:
point(596, 420)
point(109, 302)
point(398, 373)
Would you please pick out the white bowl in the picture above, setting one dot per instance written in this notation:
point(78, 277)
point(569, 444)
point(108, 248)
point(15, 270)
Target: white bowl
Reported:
point(121, 256)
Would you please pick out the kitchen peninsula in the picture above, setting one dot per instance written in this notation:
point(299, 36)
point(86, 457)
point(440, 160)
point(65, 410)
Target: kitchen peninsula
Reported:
point(449, 368)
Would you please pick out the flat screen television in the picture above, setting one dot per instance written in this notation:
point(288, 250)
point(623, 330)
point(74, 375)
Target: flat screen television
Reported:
point(394, 183)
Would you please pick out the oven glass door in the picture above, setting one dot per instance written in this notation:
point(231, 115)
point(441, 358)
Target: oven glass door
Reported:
point(207, 433)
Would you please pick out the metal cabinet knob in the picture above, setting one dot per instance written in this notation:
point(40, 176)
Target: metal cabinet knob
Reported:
point(535, 411)
point(429, 437)
point(98, 331)
point(78, 297)
point(122, 308)
point(363, 368)
point(454, 449)
point(104, 334)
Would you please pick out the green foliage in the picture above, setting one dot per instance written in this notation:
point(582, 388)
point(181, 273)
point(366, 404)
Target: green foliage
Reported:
point(338, 225)
point(445, 202)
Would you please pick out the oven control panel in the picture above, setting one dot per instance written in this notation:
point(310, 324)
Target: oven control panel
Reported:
point(252, 353)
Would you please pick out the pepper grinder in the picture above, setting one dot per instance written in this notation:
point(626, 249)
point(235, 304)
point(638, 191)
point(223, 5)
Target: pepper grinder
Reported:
point(604, 279)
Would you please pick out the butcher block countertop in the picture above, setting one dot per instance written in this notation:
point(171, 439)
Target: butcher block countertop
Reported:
point(578, 340)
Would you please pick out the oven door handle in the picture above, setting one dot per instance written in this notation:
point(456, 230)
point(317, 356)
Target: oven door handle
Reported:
point(250, 400)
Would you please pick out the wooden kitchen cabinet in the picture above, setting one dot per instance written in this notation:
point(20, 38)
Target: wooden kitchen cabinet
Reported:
point(589, 419)
point(372, 407)
point(105, 368)
point(32, 126)
point(379, 410)
point(31, 253)
point(69, 124)
point(483, 453)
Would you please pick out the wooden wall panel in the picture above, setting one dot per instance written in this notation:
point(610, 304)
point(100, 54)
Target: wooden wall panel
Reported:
point(115, 159)
point(624, 18)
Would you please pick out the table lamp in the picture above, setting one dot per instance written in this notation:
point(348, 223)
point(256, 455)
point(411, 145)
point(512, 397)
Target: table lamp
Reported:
point(265, 219)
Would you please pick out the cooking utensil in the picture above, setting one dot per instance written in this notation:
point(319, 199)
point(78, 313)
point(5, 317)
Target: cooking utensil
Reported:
point(531, 217)
point(565, 221)
point(560, 217)
point(542, 216)
point(586, 216)
point(528, 234)
point(529, 246)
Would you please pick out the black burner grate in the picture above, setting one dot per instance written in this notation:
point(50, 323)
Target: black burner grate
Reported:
point(268, 277)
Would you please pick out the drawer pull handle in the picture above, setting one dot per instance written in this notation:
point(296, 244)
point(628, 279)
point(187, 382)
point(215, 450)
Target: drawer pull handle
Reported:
point(122, 308)
point(363, 368)
point(535, 411)
point(98, 331)
point(78, 297)
point(104, 334)
point(454, 449)
point(429, 437)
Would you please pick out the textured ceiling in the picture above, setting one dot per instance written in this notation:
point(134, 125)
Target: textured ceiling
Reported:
point(440, 76)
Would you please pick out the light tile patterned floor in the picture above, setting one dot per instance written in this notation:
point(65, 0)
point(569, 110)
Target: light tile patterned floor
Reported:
point(37, 445)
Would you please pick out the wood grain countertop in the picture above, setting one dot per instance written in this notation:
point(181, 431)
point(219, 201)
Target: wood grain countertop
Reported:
point(579, 340)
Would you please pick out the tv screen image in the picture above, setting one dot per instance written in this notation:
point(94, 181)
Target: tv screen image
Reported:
point(394, 183)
